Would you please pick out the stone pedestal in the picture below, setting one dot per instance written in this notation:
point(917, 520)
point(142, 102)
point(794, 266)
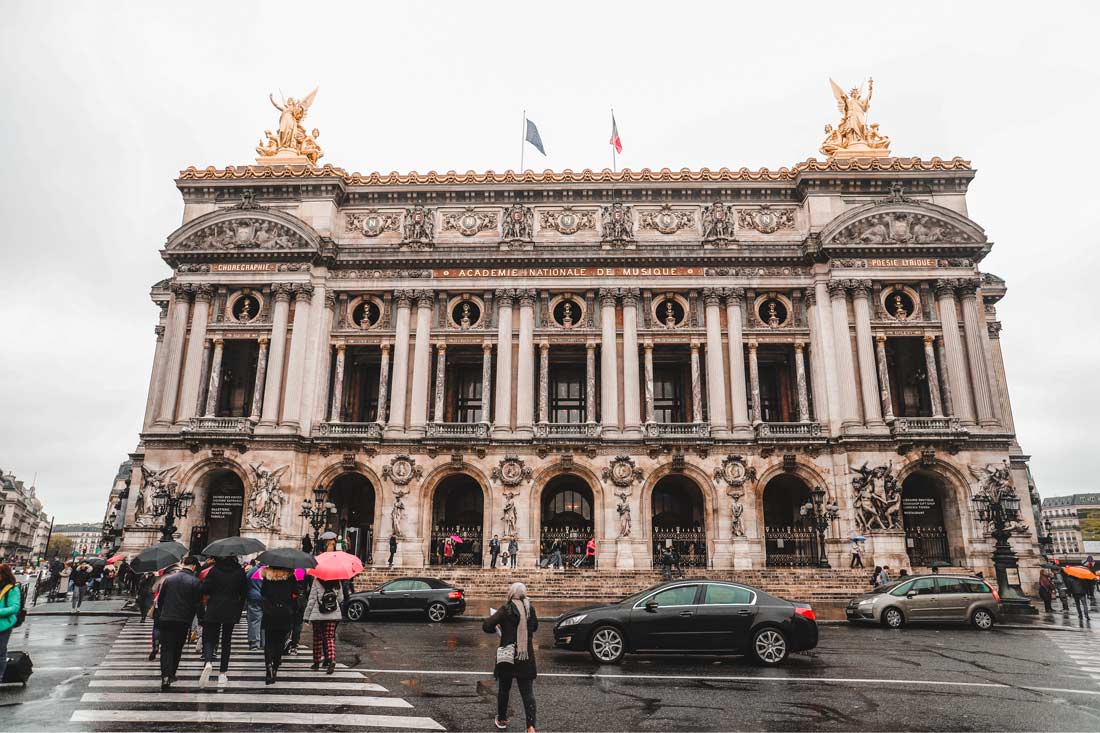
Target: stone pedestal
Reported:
point(746, 553)
point(285, 156)
point(886, 547)
point(624, 554)
point(722, 555)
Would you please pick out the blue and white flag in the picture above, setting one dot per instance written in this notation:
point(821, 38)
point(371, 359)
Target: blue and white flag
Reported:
point(533, 137)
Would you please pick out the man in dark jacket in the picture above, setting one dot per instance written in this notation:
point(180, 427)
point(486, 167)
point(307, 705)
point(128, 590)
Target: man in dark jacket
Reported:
point(393, 549)
point(225, 588)
point(494, 550)
point(178, 602)
point(1079, 590)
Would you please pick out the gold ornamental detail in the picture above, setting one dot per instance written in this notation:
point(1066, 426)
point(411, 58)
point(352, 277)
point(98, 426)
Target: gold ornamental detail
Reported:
point(291, 145)
point(854, 136)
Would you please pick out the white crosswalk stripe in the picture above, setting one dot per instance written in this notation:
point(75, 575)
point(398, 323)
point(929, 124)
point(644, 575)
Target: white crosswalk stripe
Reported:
point(1082, 648)
point(124, 694)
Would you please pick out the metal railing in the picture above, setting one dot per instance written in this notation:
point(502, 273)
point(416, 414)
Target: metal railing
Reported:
point(220, 425)
point(467, 552)
point(371, 430)
point(458, 430)
point(927, 545)
point(688, 545)
point(790, 547)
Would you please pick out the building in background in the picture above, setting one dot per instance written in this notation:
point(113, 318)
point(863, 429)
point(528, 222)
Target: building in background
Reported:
point(24, 525)
point(113, 515)
point(1074, 525)
point(86, 536)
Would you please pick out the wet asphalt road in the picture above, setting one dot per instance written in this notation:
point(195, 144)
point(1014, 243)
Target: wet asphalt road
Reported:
point(863, 678)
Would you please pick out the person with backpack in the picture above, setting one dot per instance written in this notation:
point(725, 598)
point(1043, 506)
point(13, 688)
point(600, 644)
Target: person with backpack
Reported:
point(323, 614)
point(280, 600)
point(11, 611)
point(225, 588)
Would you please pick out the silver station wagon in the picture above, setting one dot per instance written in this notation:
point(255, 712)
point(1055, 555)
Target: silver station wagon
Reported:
point(928, 598)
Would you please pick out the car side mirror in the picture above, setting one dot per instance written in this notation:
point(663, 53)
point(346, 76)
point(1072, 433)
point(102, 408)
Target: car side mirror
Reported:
point(911, 594)
point(382, 591)
point(651, 607)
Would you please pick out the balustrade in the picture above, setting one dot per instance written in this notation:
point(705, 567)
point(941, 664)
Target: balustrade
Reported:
point(369, 430)
point(788, 429)
point(220, 425)
point(683, 430)
point(567, 430)
point(479, 430)
point(910, 425)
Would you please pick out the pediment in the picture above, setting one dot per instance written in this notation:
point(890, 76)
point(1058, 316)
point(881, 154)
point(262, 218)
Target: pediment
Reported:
point(236, 229)
point(903, 223)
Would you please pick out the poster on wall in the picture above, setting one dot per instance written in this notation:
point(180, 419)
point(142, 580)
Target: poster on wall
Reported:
point(224, 506)
point(1089, 519)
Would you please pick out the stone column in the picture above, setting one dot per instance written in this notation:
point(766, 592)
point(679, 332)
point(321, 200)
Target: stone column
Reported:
point(156, 376)
point(502, 426)
point(258, 385)
point(826, 353)
point(945, 383)
point(383, 383)
point(296, 359)
point(335, 413)
point(955, 364)
point(440, 380)
point(632, 419)
point(696, 387)
point(975, 354)
point(648, 347)
point(215, 378)
point(800, 379)
point(486, 380)
point(735, 299)
point(846, 375)
point(754, 385)
point(422, 359)
point(525, 366)
point(609, 366)
point(204, 378)
point(590, 381)
point(716, 366)
point(817, 361)
point(192, 367)
point(315, 403)
point(273, 388)
point(399, 391)
point(872, 412)
point(544, 382)
point(884, 377)
point(933, 376)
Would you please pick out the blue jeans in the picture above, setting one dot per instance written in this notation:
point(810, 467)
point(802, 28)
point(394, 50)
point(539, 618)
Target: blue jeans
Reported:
point(255, 614)
point(78, 595)
point(5, 636)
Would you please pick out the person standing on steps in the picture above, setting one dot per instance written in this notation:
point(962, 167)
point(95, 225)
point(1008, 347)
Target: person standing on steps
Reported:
point(280, 600)
point(177, 603)
point(323, 614)
point(225, 588)
point(515, 658)
point(494, 550)
point(857, 555)
point(513, 550)
point(393, 549)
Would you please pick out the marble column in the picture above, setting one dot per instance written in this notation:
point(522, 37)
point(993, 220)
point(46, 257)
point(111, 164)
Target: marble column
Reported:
point(590, 381)
point(825, 354)
point(884, 378)
point(800, 379)
point(383, 384)
point(609, 365)
point(486, 380)
point(817, 361)
point(754, 385)
point(273, 389)
point(648, 360)
point(846, 375)
point(152, 402)
point(315, 396)
point(975, 355)
point(502, 425)
point(214, 385)
point(204, 377)
point(696, 386)
point(632, 418)
point(735, 299)
point(933, 376)
point(952, 345)
point(544, 382)
point(399, 392)
point(525, 366)
point(945, 383)
point(716, 365)
point(440, 381)
point(422, 360)
point(296, 359)
point(336, 411)
point(869, 388)
point(192, 366)
point(258, 385)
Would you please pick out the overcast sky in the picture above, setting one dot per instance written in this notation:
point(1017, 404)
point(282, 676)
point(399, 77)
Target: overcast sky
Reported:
point(103, 104)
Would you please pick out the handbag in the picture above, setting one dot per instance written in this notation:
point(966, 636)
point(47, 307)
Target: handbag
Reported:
point(506, 654)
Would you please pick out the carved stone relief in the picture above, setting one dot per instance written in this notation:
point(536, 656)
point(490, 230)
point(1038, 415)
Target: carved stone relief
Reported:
point(567, 220)
point(402, 470)
point(617, 223)
point(718, 223)
point(877, 498)
point(511, 472)
point(622, 472)
point(267, 498)
point(243, 233)
point(517, 223)
point(469, 222)
point(900, 228)
point(765, 219)
point(735, 472)
point(667, 220)
point(152, 482)
point(372, 223)
point(419, 226)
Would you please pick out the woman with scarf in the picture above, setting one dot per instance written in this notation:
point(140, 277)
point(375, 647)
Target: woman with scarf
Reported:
point(517, 622)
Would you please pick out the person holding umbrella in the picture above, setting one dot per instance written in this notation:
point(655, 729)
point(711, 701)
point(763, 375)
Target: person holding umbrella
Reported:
point(225, 588)
point(280, 599)
point(857, 552)
point(178, 602)
point(323, 606)
point(1077, 579)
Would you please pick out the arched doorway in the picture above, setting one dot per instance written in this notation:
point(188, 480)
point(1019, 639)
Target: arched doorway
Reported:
point(353, 495)
point(223, 508)
point(566, 516)
point(679, 521)
point(788, 540)
point(457, 511)
point(924, 508)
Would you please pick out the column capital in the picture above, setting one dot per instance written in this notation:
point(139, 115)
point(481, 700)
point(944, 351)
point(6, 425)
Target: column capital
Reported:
point(219, 342)
point(945, 288)
point(712, 296)
point(735, 296)
point(159, 331)
point(694, 345)
point(182, 291)
point(424, 298)
point(647, 344)
point(752, 344)
point(440, 346)
point(504, 296)
point(607, 297)
point(838, 289)
point(403, 298)
point(340, 347)
point(880, 338)
point(544, 346)
point(590, 345)
point(994, 329)
point(330, 300)
point(630, 297)
point(282, 291)
point(203, 293)
point(304, 292)
point(486, 345)
point(527, 297)
point(799, 345)
point(929, 340)
point(860, 288)
point(264, 340)
point(809, 295)
point(968, 288)
point(385, 346)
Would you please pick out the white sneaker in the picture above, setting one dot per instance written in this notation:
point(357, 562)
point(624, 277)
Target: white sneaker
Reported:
point(223, 681)
point(206, 672)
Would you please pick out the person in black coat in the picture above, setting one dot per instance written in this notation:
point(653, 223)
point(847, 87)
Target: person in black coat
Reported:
point(1079, 590)
point(225, 588)
point(177, 603)
point(509, 619)
point(280, 606)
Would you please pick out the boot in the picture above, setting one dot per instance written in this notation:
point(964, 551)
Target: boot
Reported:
point(269, 677)
point(331, 668)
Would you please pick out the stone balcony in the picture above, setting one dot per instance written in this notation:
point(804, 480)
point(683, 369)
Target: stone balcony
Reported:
point(567, 431)
point(357, 430)
point(222, 425)
point(787, 431)
point(912, 427)
point(468, 430)
point(677, 430)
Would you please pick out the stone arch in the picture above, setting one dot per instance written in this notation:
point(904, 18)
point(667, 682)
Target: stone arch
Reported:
point(808, 474)
point(430, 484)
point(198, 525)
point(706, 488)
point(328, 476)
point(956, 228)
point(283, 232)
point(796, 551)
point(585, 474)
point(956, 493)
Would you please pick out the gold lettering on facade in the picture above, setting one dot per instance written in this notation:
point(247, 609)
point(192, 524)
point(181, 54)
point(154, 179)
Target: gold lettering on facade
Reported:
point(560, 272)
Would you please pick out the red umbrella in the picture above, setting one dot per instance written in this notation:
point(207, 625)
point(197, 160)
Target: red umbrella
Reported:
point(116, 558)
point(336, 566)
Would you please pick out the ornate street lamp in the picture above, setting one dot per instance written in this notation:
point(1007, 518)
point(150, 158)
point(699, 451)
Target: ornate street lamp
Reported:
point(998, 506)
point(170, 506)
point(820, 514)
point(316, 512)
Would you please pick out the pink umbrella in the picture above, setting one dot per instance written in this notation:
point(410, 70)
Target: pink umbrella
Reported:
point(115, 559)
point(456, 539)
point(336, 566)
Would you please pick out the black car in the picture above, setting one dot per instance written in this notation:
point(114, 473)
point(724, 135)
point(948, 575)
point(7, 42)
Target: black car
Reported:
point(693, 617)
point(433, 598)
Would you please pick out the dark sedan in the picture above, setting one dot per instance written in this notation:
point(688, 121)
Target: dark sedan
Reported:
point(691, 617)
point(433, 598)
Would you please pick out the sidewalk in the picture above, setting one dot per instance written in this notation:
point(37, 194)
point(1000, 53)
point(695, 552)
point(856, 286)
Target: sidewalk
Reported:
point(112, 607)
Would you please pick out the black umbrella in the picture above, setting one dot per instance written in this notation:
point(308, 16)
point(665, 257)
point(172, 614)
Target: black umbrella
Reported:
point(95, 562)
point(158, 557)
point(286, 557)
point(234, 546)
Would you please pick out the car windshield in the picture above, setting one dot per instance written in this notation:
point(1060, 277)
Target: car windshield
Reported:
point(634, 598)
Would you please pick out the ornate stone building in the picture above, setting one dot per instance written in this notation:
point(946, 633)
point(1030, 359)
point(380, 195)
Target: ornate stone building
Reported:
point(24, 525)
point(652, 358)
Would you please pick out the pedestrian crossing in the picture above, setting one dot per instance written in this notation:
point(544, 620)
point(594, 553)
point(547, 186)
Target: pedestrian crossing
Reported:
point(124, 694)
point(1083, 648)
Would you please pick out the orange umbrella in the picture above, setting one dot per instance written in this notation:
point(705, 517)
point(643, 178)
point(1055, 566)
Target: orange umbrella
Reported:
point(336, 566)
point(1079, 572)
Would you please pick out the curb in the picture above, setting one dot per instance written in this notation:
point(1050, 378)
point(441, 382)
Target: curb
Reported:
point(82, 613)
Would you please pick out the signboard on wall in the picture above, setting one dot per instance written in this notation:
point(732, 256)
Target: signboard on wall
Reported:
point(1089, 519)
point(224, 506)
point(920, 511)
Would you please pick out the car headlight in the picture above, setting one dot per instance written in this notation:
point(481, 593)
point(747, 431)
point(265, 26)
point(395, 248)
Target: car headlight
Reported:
point(574, 620)
point(868, 602)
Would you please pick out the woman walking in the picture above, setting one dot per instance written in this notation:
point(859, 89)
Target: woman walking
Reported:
point(225, 588)
point(323, 613)
point(280, 596)
point(11, 601)
point(517, 622)
point(79, 582)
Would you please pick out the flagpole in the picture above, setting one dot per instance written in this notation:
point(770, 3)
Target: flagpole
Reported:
point(522, 141)
point(613, 144)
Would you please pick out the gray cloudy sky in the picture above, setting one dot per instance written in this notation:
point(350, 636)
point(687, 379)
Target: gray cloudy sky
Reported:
point(103, 103)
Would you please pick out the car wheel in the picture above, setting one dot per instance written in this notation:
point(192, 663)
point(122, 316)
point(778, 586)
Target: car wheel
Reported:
point(607, 645)
point(982, 619)
point(769, 646)
point(437, 613)
point(356, 611)
point(893, 618)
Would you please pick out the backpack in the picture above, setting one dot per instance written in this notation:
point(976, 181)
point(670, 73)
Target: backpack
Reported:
point(21, 614)
point(329, 602)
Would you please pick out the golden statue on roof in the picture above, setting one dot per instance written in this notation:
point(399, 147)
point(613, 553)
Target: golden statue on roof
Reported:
point(854, 137)
point(292, 145)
